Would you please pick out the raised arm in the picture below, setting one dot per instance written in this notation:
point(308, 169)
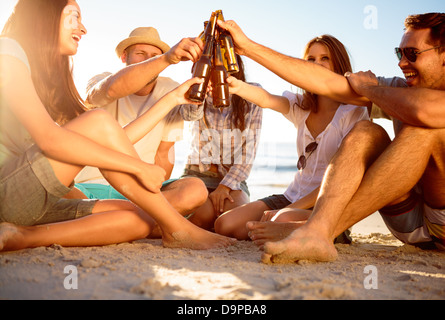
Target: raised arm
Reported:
point(59, 143)
point(55, 141)
point(139, 127)
point(258, 96)
point(135, 77)
point(301, 73)
point(415, 106)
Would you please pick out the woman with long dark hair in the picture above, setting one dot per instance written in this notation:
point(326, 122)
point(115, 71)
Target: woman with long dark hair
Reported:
point(47, 137)
point(224, 145)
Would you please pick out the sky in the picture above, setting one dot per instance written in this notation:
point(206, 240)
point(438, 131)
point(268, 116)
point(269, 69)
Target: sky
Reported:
point(370, 30)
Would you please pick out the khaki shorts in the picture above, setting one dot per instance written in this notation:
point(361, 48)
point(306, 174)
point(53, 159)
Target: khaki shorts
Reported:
point(31, 194)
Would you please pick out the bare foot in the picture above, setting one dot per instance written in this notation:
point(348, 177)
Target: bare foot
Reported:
point(193, 237)
point(10, 236)
point(262, 232)
point(301, 244)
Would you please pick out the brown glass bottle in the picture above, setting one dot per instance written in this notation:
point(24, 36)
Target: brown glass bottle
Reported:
point(203, 67)
point(220, 88)
point(227, 48)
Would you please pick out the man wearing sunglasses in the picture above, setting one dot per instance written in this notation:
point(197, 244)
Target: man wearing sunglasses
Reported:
point(405, 177)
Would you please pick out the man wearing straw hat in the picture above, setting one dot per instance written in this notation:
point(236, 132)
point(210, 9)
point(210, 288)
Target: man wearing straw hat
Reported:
point(129, 93)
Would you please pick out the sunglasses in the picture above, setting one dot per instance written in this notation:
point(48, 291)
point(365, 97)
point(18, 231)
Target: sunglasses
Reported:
point(411, 53)
point(303, 160)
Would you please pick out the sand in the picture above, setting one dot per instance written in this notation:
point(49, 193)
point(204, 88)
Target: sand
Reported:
point(375, 266)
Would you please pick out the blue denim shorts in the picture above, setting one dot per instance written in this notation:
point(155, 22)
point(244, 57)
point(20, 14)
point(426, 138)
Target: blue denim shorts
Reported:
point(31, 194)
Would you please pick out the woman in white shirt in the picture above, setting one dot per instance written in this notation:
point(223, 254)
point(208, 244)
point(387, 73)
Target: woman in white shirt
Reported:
point(322, 123)
point(47, 137)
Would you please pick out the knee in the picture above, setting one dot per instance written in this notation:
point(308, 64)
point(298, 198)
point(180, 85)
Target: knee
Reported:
point(103, 123)
point(223, 226)
point(192, 195)
point(367, 132)
point(226, 226)
point(198, 191)
point(366, 139)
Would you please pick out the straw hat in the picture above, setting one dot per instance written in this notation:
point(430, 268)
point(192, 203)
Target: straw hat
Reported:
point(144, 35)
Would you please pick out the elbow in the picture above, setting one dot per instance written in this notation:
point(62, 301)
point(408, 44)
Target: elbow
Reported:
point(49, 147)
point(52, 142)
point(425, 115)
point(111, 93)
point(423, 118)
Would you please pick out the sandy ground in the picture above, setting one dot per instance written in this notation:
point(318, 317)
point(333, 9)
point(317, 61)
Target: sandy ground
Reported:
point(375, 266)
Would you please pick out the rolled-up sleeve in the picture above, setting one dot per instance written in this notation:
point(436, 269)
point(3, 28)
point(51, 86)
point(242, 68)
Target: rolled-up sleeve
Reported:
point(96, 94)
point(192, 112)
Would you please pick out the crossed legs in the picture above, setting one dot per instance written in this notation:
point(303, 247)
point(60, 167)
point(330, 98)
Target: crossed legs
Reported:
point(113, 221)
point(363, 177)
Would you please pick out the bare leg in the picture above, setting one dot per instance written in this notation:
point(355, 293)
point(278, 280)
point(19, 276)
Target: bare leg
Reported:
point(416, 151)
point(186, 195)
point(205, 216)
point(281, 226)
point(415, 155)
point(177, 232)
point(233, 223)
point(112, 221)
point(314, 240)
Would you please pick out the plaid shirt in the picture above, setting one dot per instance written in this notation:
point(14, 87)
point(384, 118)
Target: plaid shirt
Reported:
point(215, 141)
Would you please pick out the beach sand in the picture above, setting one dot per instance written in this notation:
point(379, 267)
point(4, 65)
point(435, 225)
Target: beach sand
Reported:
point(375, 266)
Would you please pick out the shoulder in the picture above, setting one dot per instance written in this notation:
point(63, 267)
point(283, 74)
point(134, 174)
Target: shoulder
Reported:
point(296, 111)
point(12, 48)
point(351, 113)
point(349, 108)
point(294, 99)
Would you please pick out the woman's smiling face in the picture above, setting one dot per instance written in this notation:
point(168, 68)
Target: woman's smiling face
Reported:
point(71, 29)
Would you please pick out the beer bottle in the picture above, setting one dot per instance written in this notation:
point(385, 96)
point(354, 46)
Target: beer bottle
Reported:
point(220, 88)
point(227, 48)
point(230, 61)
point(202, 68)
point(202, 35)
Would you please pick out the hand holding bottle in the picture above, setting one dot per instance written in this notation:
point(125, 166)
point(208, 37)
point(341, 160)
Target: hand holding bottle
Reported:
point(241, 41)
point(188, 49)
point(234, 85)
point(180, 94)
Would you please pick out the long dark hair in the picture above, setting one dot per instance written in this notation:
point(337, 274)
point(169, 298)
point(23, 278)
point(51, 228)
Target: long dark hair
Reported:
point(340, 61)
point(35, 24)
point(239, 105)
